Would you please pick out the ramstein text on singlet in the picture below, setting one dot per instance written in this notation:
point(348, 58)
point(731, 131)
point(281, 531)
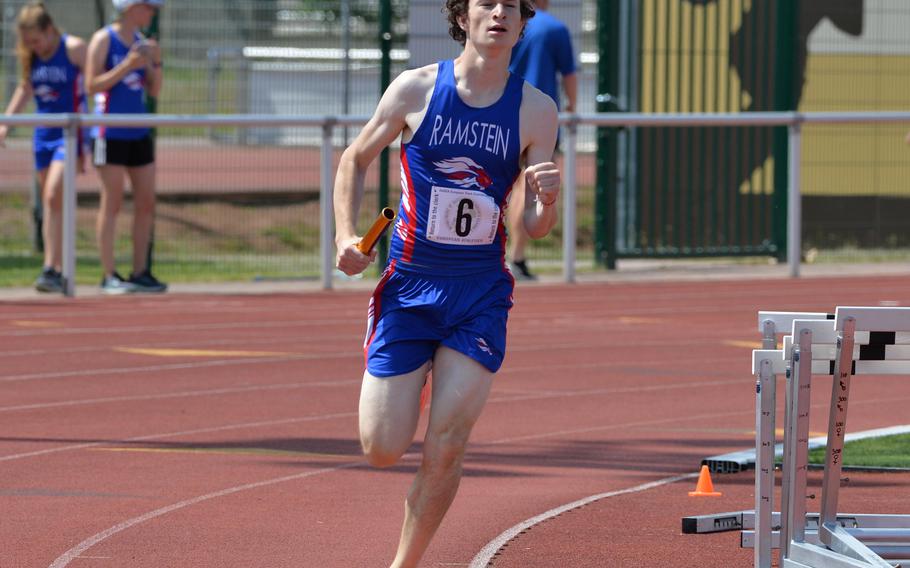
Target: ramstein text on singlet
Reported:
point(49, 74)
point(483, 135)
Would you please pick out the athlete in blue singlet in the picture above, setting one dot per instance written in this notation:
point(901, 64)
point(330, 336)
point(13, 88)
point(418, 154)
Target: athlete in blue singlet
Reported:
point(51, 71)
point(125, 97)
point(122, 69)
point(466, 126)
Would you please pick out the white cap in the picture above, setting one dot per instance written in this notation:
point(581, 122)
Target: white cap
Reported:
point(122, 5)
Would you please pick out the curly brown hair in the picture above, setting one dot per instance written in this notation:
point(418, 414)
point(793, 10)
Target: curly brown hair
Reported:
point(456, 9)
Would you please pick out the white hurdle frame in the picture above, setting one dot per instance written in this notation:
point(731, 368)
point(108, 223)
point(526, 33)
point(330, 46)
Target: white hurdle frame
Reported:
point(815, 351)
point(828, 538)
point(766, 366)
point(839, 545)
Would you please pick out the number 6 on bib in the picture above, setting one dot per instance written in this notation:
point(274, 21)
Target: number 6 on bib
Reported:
point(462, 217)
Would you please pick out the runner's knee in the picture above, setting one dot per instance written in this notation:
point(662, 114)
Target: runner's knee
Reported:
point(379, 454)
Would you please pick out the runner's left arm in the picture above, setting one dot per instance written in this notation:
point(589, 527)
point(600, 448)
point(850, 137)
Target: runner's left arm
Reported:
point(542, 177)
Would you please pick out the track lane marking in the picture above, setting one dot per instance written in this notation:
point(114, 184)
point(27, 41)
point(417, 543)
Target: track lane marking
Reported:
point(175, 352)
point(36, 324)
point(88, 543)
point(215, 450)
point(486, 554)
point(181, 394)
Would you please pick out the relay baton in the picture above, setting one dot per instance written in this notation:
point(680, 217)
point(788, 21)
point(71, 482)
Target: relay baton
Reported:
point(366, 244)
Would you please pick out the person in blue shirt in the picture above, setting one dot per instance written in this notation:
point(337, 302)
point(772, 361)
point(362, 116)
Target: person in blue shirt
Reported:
point(123, 68)
point(466, 128)
point(50, 65)
point(544, 52)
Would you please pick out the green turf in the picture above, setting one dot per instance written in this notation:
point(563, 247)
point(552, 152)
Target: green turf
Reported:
point(885, 451)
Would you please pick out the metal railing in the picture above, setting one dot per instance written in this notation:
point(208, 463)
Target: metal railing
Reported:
point(71, 123)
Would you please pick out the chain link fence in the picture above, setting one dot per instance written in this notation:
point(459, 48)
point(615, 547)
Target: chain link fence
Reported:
point(242, 202)
point(238, 203)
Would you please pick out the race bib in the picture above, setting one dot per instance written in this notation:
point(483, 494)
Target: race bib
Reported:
point(462, 217)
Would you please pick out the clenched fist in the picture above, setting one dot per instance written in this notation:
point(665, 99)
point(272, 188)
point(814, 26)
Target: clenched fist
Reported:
point(544, 180)
point(349, 258)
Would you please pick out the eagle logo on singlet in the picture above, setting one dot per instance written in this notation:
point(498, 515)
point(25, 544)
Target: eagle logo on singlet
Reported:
point(47, 94)
point(133, 81)
point(465, 172)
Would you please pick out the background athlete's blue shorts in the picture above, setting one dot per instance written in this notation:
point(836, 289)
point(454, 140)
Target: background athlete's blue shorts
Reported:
point(54, 150)
point(48, 151)
point(411, 315)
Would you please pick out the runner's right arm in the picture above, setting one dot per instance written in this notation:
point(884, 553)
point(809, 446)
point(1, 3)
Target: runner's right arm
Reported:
point(405, 96)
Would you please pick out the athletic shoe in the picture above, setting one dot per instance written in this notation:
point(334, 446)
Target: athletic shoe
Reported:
point(520, 270)
point(49, 281)
point(116, 284)
point(146, 283)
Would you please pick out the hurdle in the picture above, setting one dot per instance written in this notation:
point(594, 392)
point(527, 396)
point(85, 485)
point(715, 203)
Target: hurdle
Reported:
point(771, 324)
point(819, 344)
point(863, 340)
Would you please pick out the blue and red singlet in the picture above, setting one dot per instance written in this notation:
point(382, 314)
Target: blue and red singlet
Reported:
point(126, 97)
point(446, 282)
point(57, 87)
point(456, 174)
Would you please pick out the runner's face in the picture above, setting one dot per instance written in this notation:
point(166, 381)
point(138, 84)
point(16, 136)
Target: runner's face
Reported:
point(494, 23)
point(41, 43)
point(142, 14)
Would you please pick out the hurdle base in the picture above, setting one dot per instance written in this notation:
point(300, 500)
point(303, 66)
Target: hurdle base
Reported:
point(745, 520)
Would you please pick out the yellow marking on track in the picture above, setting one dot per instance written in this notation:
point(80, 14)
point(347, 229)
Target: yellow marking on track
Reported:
point(746, 344)
point(197, 352)
point(223, 451)
point(36, 324)
point(626, 319)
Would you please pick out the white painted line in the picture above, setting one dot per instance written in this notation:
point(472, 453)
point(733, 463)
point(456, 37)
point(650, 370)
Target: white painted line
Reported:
point(261, 339)
point(168, 367)
point(163, 436)
point(75, 552)
point(179, 394)
point(486, 554)
point(171, 329)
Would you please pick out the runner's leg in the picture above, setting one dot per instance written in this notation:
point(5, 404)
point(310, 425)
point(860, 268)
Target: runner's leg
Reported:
point(460, 389)
point(389, 410)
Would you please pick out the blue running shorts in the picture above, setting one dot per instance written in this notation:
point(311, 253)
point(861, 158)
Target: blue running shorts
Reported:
point(411, 314)
point(49, 151)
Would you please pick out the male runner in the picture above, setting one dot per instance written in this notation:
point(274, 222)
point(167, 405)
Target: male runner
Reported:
point(466, 126)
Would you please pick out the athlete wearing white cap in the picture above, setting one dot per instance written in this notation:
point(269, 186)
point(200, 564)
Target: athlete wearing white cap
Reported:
point(124, 68)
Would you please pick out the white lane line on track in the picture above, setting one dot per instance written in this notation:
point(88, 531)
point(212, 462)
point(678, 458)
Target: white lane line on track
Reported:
point(162, 436)
point(179, 394)
point(241, 426)
point(75, 552)
point(174, 328)
point(505, 397)
point(259, 360)
point(167, 367)
point(270, 340)
point(486, 554)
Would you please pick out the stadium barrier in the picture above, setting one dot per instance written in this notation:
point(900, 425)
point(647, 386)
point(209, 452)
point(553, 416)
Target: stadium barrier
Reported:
point(571, 121)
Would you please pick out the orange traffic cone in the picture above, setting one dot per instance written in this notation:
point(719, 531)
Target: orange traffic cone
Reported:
point(704, 487)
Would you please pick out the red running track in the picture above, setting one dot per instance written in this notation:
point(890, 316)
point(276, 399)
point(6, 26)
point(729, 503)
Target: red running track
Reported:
point(213, 431)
